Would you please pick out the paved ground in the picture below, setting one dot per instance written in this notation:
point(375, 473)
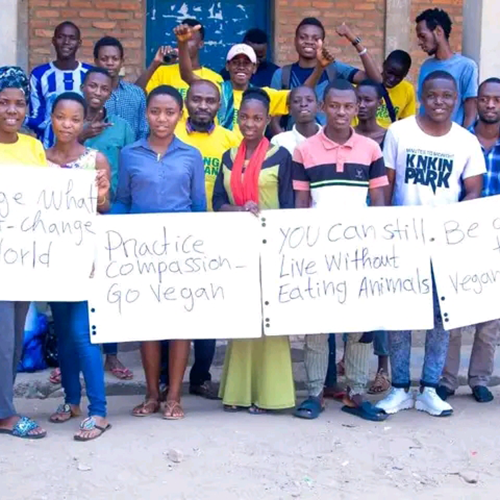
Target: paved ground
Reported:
point(240, 456)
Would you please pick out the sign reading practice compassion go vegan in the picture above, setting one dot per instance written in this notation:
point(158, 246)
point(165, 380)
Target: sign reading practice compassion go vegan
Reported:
point(47, 233)
point(327, 272)
point(466, 261)
point(176, 276)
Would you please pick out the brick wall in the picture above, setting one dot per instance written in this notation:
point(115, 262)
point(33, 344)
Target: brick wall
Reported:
point(123, 19)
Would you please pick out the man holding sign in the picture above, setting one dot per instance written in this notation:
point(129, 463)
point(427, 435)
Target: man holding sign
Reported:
point(338, 168)
point(482, 360)
point(430, 160)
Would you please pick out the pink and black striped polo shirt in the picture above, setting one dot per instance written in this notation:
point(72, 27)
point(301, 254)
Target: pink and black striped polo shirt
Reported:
point(322, 166)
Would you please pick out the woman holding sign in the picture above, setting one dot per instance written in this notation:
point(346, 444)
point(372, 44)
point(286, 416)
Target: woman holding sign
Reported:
point(71, 320)
point(15, 150)
point(256, 176)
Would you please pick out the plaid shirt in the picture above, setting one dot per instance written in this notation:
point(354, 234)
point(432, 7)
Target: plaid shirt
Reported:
point(491, 182)
point(128, 101)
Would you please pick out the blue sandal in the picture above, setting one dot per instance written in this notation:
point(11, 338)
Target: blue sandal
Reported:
point(23, 428)
point(89, 424)
point(310, 408)
point(367, 412)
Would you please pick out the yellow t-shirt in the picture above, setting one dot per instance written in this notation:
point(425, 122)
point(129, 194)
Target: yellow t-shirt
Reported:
point(278, 107)
point(404, 102)
point(211, 146)
point(26, 152)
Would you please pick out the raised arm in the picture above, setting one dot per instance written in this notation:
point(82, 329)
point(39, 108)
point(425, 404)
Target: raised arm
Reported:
point(158, 61)
point(184, 33)
point(323, 59)
point(371, 70)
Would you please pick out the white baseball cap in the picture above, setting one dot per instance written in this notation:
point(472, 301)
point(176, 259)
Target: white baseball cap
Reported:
point(242, 48)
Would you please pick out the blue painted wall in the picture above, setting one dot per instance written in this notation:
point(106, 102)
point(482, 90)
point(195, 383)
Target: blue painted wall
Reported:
point(225, 24)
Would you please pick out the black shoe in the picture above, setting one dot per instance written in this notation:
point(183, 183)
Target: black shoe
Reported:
point(207, 390)
point(482, 394)
point(444, 393)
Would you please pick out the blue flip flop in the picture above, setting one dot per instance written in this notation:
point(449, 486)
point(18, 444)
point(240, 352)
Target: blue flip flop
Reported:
point(309, 409)
point(23, 428)
point(367, 412)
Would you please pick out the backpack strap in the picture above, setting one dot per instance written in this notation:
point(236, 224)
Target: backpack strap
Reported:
point(286, 76)
point(390, 106)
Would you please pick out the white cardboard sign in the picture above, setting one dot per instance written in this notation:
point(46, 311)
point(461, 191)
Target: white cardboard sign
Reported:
point(326, 272)
point(47, 233)
point(176, 276)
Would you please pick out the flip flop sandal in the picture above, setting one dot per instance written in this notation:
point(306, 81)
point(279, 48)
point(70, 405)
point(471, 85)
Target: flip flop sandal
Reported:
point(367, 412)
point(55, 376)
point(62, 410)
point(482, 394)
point(309, 409)
point(122, 373)
point(170, 406)
point(89, 424)
point(23, 428)
point(232, 408)
point(380, 384)
point(150, 405)
point(255, 410)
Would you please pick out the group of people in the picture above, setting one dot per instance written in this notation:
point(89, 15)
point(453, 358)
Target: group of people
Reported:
point(314, 134)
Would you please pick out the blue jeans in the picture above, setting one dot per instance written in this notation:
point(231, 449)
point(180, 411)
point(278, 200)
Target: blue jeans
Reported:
point(110, 349)
point(331, 374)
point(381, 343)
point(204, 352)
point(77, 354)
point(436, 349)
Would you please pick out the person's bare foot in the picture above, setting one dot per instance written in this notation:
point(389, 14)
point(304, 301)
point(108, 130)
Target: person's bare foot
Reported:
point(64, 413)
point(117, 368)
point(92, 428)
point(8, 424)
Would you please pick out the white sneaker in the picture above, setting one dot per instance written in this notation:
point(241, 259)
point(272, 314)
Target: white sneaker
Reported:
point(397, 400)
point(430, 402)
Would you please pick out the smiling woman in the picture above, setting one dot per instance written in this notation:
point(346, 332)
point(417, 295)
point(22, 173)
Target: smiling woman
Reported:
point(15, 150)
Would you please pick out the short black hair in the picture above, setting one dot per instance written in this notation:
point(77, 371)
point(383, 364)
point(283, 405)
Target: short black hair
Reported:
point(296, 89)
point(258, 95)
point(434, 18)
point(257, 36)
point(95, 69)
point(338, 84)
point(194, 22)
point(60, 26)
point(311, 21)
point(70, 96)
point(400, 57)
point(489, 80)
point(208, 82)
point(166, 90)
point(439, 75)
point(374, 85)
point(108, 41)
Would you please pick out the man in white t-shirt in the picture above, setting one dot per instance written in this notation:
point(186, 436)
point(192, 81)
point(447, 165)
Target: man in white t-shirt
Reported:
point(430, 161)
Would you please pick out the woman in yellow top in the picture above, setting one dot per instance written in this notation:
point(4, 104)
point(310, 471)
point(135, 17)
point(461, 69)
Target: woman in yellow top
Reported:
point(241, 63)
point(15, 150)
point(256, 176)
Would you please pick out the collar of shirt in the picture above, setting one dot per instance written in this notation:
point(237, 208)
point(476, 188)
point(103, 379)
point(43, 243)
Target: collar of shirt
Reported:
point(329, 144)
point(301, 138)
point(190, 129)
point(174, 145)
point(472, 130)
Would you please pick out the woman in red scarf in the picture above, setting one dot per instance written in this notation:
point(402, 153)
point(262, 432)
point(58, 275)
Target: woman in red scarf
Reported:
point(256, 176)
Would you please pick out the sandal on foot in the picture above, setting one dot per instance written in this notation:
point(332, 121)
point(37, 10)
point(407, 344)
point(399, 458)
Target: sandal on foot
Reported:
point(24, 428)
point(366, 411)
point(170, 407)
point(310, 408)
point(255, 410)
point(63, 411)
point(482, 394)
point(380, 384)
point(146, 408)
point(90, 425)
point(122, 373)
point(55, 376)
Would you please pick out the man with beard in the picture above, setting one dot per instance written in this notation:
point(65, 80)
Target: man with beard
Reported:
point(433, 33)
point(201, 132)
point(482, 360)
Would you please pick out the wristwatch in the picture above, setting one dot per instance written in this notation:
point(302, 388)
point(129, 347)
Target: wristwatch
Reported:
point(357, 41)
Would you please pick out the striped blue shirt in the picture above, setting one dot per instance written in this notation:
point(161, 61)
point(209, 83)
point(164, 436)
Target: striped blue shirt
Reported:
point(46, 83)
point(491, 181)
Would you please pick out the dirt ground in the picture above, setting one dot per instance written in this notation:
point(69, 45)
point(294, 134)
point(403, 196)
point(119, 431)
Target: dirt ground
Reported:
point(242, 456)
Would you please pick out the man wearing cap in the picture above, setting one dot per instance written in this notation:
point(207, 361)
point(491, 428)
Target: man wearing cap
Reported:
point(241, 63)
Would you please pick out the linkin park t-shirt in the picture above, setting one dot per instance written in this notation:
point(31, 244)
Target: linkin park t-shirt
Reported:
point(430, 170)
